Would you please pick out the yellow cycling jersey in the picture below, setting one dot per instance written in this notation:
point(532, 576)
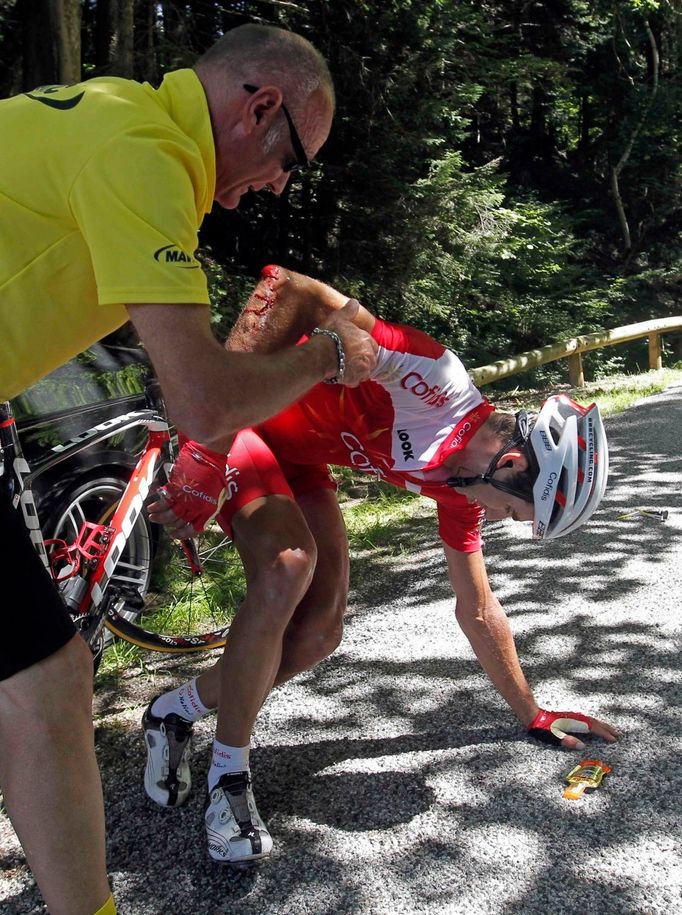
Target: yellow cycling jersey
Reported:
point(103, 187)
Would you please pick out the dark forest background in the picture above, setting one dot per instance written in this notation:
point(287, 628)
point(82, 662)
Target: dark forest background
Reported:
point(502, 173)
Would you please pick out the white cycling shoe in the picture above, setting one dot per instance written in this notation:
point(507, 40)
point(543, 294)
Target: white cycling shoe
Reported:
point(235, 832)
point(167, 776)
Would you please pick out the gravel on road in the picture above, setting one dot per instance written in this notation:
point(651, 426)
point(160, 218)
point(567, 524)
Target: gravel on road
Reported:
point(393, 777)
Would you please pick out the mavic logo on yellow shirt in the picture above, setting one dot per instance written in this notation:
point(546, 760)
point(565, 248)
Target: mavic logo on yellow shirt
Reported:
point(60, 104)
point(171, 254)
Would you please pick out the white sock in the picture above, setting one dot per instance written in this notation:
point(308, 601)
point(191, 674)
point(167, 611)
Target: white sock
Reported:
point(183, 701)
point(225, 760)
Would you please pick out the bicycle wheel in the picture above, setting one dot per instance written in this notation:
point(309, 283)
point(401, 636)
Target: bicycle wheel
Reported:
point(95, 500)
point(191, 599)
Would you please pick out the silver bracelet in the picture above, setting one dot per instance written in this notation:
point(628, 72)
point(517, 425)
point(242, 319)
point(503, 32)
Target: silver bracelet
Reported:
point(339, 352)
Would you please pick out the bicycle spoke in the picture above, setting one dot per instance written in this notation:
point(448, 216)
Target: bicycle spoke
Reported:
point(189, 604)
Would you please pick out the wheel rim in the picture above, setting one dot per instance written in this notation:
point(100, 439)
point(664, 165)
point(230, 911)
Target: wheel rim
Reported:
point(96, 502)
point(188, 612)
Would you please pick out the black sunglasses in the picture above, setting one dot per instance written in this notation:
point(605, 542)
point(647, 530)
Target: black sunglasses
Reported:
point(302, 160)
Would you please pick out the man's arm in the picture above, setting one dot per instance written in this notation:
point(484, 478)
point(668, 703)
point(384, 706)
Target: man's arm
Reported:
point(211, 394)
point(283, 307)
point(485, 624)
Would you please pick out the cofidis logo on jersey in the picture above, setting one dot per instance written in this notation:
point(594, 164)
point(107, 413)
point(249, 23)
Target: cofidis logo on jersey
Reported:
point(358, 455)
point(432, 395)
point(172, 254)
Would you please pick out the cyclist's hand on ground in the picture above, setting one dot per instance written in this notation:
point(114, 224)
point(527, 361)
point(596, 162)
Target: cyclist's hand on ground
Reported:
point(360, 349)
point(557, 728)
point(194, 493)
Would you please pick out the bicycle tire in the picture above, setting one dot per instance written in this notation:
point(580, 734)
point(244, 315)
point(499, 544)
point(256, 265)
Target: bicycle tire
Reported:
point(95, 499)
point(206, 623)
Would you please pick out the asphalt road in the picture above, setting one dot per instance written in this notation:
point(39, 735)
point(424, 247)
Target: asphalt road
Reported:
point(393, 777)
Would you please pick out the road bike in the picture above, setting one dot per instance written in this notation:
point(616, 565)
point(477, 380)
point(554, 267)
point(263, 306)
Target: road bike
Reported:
point(100, 545)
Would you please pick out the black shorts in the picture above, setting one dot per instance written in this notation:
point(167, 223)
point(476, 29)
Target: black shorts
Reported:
point(34, 621)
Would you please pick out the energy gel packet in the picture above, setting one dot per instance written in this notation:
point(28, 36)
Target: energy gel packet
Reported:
point(586, 776)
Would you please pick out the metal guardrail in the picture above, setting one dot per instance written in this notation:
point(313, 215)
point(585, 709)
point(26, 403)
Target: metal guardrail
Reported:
point(572, 350)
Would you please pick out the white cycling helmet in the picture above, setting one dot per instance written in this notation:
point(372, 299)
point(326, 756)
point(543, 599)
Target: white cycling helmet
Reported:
point(568, 445)
point(568, 457)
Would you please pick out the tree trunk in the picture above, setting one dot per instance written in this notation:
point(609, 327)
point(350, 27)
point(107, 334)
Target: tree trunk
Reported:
point(65, 20)
point(654, 63)
point(115, 37)
point(104, 32)
point(146, 67)
point(124, 26)
point(52, 52)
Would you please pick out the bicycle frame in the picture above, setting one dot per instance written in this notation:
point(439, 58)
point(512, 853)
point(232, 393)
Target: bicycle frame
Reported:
point(107, 541)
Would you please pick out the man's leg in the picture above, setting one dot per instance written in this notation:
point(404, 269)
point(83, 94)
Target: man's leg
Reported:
point(48, 769)
point(316, 628)
point(279, 557)
point(50, 778)
point(313, 633)
point(278, 553)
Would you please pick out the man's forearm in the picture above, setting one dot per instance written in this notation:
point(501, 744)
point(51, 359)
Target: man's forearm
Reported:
point(255, 387)
point(210, 394)
point(282, 308)
point(491, 639)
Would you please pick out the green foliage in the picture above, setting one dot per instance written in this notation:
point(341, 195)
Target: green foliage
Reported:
point(467, 183)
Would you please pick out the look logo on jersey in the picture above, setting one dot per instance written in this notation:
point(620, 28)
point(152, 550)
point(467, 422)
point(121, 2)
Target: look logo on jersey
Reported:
point(416, 448)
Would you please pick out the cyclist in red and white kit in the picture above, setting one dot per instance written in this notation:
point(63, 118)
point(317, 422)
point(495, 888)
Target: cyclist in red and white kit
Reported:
point(418, 423)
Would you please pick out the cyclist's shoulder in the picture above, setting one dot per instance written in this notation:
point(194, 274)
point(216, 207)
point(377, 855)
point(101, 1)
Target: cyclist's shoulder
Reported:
point(406, 340)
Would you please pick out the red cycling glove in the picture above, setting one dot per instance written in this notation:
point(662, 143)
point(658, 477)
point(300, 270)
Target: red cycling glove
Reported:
point(552, 727)
point(195, 490)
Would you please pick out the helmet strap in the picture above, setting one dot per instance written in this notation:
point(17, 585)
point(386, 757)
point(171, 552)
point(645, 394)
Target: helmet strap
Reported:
point(517, 441)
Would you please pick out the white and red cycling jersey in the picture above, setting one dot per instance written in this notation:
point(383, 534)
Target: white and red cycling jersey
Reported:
point(418, 407)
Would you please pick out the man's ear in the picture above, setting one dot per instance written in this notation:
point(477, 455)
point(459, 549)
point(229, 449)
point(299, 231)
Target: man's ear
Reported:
point(514, 460)
point(262, 108)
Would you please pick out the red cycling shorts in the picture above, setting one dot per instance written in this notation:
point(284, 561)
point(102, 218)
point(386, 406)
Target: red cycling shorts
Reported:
point(253, 471)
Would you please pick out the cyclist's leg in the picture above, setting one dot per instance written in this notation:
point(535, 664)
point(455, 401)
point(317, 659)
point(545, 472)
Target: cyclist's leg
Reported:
point(279, 555)
point(316, 628)
point(48, 769)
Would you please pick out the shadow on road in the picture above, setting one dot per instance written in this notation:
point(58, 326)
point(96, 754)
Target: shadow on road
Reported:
point(445, 767)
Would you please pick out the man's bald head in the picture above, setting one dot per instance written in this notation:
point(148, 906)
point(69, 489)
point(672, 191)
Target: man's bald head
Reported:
point(259, 54)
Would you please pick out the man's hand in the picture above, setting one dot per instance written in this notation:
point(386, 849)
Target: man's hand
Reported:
point(359, 348)
point(195, 491)
point(552, 727)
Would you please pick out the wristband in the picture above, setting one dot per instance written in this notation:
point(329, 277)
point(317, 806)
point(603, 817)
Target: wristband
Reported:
point(336, 379)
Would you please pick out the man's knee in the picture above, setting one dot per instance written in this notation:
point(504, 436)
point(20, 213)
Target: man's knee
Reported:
point(282, 577)
point(59, 685)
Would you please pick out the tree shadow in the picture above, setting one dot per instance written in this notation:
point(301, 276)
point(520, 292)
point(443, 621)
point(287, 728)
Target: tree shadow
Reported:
point(415, 762)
